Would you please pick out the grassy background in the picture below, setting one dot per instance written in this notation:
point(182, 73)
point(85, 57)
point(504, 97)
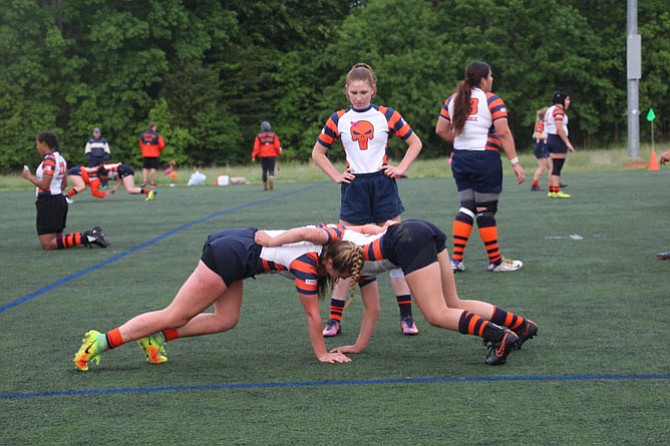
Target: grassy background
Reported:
point(596, 374)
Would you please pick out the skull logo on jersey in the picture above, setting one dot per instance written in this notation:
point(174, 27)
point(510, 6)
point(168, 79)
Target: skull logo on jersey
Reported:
point(362, 132)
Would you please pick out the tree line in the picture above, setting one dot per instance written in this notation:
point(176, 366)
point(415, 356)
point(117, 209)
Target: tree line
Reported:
point(208, 72)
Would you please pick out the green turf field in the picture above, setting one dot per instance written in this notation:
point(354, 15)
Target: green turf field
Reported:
point(597, 374)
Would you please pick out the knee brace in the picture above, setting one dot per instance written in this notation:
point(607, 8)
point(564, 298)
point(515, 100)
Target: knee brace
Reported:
point(486, 217)
point(466, 212)
point(557, 166)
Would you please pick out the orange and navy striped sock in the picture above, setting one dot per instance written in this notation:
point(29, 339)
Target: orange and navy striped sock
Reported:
point(554, 188)
point(336, 309)
point(170, 334)
point(488, 231)
point(69, 240)
point(114, 338)
point(71, 193)
point(144, 191)
point(405, 305)
point(462, 229)
point(471, 324)
point(507, 319)
point(536, 182)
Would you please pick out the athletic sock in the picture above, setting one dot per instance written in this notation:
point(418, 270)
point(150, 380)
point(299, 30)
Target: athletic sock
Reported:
point(69, 240)
point(488, 231)
point(405, 305)
point(462, 229)
point(170, 334)
point(507, 318)
point(336, 309)
point(470, 323)
point(114, 338)
point(71, 193)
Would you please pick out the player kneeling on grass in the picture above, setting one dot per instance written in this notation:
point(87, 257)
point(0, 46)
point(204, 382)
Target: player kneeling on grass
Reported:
point(218, 281)
point(418, 248)
point(80, 177)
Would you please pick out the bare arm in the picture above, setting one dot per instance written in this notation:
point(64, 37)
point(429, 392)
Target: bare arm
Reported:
point(295, 235)
point(44, 183)
point(560, 131)
point(443, 130)
point(507, 141)
point(321, 160)
point(370, 296)
point(414, 148)
point(314, 323)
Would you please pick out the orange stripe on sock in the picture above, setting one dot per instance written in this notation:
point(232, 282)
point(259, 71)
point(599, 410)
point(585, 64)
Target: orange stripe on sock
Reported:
point(114, 338)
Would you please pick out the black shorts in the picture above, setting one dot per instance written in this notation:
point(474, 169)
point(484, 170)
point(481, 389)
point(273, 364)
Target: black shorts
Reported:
point(51, 214)
point(413, 244)
point(150, 162)
point(556, 145)
point(125, 170)
point(232, 254)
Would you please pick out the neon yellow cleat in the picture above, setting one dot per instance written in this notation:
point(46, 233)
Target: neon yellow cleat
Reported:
point(150, 196)
point(154, 348)
point(92, 345)
point(561, 194)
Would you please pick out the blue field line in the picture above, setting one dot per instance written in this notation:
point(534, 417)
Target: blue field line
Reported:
point(163, 236)
point(363, 382)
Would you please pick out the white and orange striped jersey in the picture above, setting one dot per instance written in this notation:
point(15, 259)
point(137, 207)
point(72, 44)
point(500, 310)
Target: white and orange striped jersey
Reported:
point(479, 132)
point(364, 135)
point(556, 114)
point(55, 165)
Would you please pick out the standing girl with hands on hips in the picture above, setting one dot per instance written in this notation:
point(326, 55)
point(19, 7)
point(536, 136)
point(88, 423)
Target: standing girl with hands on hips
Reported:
point(369, 193)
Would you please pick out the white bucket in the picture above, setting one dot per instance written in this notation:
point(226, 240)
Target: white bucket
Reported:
point(222, 180)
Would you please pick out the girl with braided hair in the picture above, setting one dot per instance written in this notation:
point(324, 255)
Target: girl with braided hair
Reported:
point(418, 248)
point(228, 257)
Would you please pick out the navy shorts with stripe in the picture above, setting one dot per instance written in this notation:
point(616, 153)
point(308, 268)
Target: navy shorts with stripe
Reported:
point(232, 254)
point(413, 244)
point(479, 170)
point(370, 198)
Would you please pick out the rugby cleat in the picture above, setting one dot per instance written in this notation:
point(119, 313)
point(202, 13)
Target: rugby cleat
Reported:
point(95, 237)
point(457, 265)
point(154, 348)
point(333, 328)
point(505, 266)
point(559, 194)
point(151, 195)
point(92, 345)
point(408, 326)
point(500, 350)
point(526, 331)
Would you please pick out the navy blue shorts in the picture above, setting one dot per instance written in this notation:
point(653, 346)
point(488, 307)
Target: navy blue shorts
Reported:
point(370, 198)
point(125, 170)
point(232, 254)
point(413, 244)
point(541, 150)
point(74, 171)
point(479, 170)
point(51, 214)
point(556, 145)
